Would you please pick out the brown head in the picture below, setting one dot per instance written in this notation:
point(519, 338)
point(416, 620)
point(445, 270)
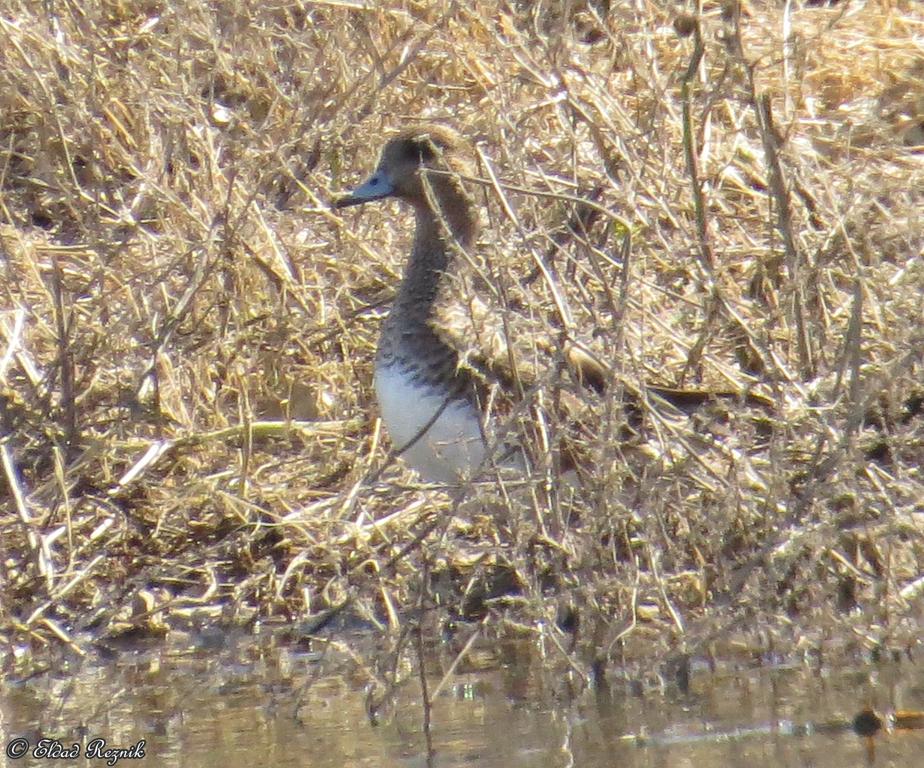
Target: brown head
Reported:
point(402, 170)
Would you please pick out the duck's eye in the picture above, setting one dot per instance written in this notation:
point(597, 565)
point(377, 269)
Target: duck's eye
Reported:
point(420, 150)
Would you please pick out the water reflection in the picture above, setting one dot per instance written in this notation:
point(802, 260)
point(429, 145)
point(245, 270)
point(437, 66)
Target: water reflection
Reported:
point(243, 702)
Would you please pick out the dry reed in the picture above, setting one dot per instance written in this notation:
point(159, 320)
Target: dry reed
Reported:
point(187, 329)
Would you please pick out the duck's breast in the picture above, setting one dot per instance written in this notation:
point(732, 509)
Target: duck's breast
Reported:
point(449, 449)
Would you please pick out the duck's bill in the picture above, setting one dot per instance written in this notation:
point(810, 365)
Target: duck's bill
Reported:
point(377, 187)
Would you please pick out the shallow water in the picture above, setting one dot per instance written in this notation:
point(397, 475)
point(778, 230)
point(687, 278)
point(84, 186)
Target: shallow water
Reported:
point(238, 703)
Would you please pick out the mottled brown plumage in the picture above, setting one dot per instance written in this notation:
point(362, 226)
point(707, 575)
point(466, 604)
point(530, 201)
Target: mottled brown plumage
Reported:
point(442, 352)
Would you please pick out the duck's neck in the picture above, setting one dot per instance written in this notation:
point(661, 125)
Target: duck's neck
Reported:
point(446, 222)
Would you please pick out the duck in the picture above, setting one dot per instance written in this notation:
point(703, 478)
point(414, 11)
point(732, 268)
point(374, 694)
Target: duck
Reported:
point(442, 355)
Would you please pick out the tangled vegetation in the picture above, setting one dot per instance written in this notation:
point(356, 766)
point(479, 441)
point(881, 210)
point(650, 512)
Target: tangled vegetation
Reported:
point(187, 328)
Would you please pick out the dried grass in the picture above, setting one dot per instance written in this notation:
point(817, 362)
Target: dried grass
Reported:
point(187, 329)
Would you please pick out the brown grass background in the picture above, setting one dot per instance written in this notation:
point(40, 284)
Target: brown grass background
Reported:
point(187, 328)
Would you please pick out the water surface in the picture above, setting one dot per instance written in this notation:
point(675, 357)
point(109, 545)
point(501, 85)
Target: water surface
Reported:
point(230, 703)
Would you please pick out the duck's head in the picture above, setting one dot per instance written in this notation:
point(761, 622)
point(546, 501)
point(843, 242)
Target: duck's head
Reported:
point(403, 164)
